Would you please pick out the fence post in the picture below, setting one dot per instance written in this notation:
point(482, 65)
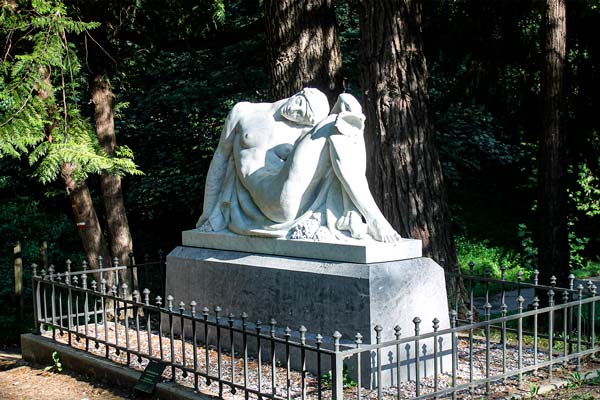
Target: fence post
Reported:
point(36, 299)
point(18, 263)
point(338, 369)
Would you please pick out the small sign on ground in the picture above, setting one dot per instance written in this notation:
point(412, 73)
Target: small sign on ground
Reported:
point(150, 377)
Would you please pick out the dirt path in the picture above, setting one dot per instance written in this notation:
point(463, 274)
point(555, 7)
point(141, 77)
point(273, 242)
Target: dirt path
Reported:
point(23, 381)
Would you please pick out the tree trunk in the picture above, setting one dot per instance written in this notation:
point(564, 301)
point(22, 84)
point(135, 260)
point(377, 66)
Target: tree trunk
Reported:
point(553, 255)
point(405, 174)
point(112, 195)
point(86, 219)
point(303, 46)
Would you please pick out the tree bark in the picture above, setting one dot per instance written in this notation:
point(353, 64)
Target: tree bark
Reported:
point(86, 219)
point(553, 254)
point(112, 194)
point(303, 46)
point(405, 173)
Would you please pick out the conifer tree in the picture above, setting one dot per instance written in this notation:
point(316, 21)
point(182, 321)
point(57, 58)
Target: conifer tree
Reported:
point(40, 108)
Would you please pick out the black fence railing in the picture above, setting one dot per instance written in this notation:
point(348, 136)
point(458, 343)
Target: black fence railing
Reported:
point(230, 354)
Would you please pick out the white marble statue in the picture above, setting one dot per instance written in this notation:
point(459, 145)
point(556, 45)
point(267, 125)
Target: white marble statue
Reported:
point(293, 169)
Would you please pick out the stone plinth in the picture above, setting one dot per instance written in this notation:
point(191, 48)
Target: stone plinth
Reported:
point(353, 250)
point(324, 296)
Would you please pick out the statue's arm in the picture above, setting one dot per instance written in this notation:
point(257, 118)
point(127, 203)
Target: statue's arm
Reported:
point(218, 166)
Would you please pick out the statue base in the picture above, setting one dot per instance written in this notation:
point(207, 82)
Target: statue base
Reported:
point(324, 296)
point(352, 250)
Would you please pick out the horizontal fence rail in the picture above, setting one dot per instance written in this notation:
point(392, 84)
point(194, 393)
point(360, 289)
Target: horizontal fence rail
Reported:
point(230, 355)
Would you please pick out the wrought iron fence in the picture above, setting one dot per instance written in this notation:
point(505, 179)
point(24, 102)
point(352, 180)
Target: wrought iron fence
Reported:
point(230, 355)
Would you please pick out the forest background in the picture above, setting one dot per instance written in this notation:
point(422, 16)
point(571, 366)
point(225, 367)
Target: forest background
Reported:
point(176, 68)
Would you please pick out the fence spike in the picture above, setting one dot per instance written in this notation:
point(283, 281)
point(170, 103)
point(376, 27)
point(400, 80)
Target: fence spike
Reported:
point(550, 297)
point(84, 279)
point(453, 318)
point(217, 311)
point(272, 324)
point(488, 310)
point(124, 288)
point(75, 280)
point(100, 262)
point(358, 338)
point(565, 296)
point(158, 301)
point(113, 289)
point(535, 303)
point(287, 332)
point(397, 332)
point(258, 324)
point(244, 318)
point(193, 305)
point(59, 277)
point(205, 312)
point(181, 307)
point(378, 329)
point(553, 280)
point(51, 272)
point(503, 309)
point(94, 285)
point(68, 265)
point(519, 276)
point(436, 324)
point(146, 293)
point(470, 316)
point(136, 296)
point(536, 276)
point(231, 319)
point(336, 340)
point(115, 262)
point(302, 331)
point(593, 290)
point(84, 265)
point(571, 278)
point(170, 302)
point(34, 269)
point(319, 339)
point(579, 291)
point(520, 301)
point(417, 322)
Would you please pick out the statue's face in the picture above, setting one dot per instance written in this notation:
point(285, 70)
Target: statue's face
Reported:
point(296, 109)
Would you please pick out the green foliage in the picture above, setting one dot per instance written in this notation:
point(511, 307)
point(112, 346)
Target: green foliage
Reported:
point(40, 92)
point(487, 257)
point(56, 364)
point(347, 381)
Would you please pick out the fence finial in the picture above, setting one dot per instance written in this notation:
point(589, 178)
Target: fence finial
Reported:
point(536, 276)
point(193, 305)
point(272, 324)
point(146, 293)
point(436, 324)
point(34, 269)
point(571, 278)
point(287, 332)
point(136, 296)
point(100, 262)
point(124, 288)
point(170, 302)
point(520, 301)
point(302, 331)
point(336, 340)
point(553, 281)
point(358, 338)
point(565, 296)
point(158, 301)
point(94, 285)
point(397, 331)
point(535, 303)
point(417, 322)
point(181, 307)
point(550, 297)
point(378, 329)
point(115, 262)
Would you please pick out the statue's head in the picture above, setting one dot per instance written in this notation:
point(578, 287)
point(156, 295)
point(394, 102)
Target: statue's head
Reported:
point(307, 107)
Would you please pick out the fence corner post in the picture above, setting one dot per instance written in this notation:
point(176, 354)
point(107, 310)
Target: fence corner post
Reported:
point(337, 375)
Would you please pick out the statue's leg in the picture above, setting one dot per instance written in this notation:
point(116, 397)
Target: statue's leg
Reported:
point(348, 159)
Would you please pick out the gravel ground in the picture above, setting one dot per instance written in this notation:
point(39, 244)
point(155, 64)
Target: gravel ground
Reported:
point(184, 354)
point(20, 380)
